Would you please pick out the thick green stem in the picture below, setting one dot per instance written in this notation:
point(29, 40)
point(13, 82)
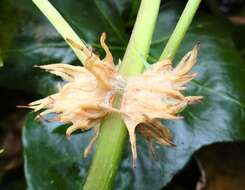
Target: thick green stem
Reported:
point(113, 134)
point(112, 138)
point(60, 25)
point(180, 30)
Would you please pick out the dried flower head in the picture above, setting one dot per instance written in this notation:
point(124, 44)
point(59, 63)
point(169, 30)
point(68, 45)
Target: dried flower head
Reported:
point(155, 95)
point(88, 93)
point(87, 96)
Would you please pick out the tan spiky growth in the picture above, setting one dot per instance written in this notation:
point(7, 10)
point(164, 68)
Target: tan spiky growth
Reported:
point(155, 95)
point(104, 70)
point(87, 95)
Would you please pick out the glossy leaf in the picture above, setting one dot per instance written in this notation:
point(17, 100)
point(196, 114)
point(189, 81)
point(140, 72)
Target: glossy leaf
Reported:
point(50, 167)
point(36, 42)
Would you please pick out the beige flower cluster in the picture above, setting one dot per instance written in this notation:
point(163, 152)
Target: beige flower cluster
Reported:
point(155, 95)
point(88, 93)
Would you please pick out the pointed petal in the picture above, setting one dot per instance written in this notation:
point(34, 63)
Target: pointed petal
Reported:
point(187, 62)
point(108, 58)
point(89, 148)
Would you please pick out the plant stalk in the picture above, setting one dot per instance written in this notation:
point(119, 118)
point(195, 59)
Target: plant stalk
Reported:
point(60, 25)
point(180, 30)
point(1, 61)
point(113, 134)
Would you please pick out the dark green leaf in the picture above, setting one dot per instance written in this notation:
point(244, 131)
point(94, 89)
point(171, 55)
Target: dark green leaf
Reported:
point(51, 160)
point(37, 42)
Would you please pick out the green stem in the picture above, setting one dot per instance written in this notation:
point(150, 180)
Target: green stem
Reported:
point(1, 61)
point(180, 30)
point(60, 25)
point(113, 134)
